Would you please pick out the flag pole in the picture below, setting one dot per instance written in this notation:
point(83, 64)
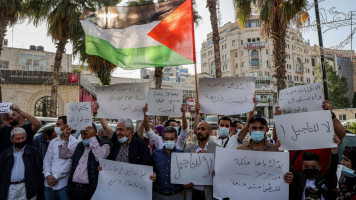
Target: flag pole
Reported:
point(194, 56)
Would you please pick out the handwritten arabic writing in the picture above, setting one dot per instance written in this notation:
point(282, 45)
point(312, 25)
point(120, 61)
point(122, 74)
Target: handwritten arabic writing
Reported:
point(302, 130)
point(129, 180)
point(164, 102)
point(192, 167)
point(79, 115)
point(5, 107)
point(253, 174)
point(304, 98)
point(226, 96)
point(122, 100)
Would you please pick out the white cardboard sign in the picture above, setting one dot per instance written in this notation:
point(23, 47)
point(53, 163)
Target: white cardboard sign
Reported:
point(125, 100)
point(164, 102)
point(304, 98)
point(118, 180)
point(247, 175)
point(310, 130)
point(5, 107)
point(194, 168)
point(226, 96)
point(79, 115)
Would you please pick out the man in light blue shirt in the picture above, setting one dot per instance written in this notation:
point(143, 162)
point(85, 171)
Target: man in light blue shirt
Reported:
point(14, 182)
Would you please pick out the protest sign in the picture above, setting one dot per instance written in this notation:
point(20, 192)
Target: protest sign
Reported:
point(118, 180)
point(226, 96)
point(79, 115)
point(124, 100)
point(192, 168)
point(164, 102)
point(246, 175)
point(304, 98)
point(311, 130)
point(5, 107)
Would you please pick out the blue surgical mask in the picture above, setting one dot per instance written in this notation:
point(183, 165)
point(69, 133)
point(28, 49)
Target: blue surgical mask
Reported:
point(257, 136)
point(238, 131)
point(224, 131)
point(85, 142)
point(169, 144)
point(348, 172)
point(58, 131)
point(122, 140)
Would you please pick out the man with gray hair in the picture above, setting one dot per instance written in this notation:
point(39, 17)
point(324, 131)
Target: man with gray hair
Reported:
point(127, 148)
point(15, 161)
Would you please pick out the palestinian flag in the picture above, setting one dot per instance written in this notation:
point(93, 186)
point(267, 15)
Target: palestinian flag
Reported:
point(154, 35)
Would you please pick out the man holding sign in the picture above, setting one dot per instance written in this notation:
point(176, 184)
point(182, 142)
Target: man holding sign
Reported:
point(163, 189)
point(83, 176)
point(203, 132)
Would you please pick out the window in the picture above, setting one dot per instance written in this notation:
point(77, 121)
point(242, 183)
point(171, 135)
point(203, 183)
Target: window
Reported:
point(258, 39)
point(32, 62)
point(242, 53)
point(267, 63)
point(256, 74)
point(4, 64)
point(260, 73)
point(255, 59)
point(236, 54)
point(342, 117)
point(267, 51)
point(266, 73)
point(243, 64)
point(251, 74)
point(42, 107)
point(236, 65)
point(253, 39)
point(298, 65)
point(251, 24)
point(249, 40)
point(242, 42)
point(233, 43)
point(313, 62)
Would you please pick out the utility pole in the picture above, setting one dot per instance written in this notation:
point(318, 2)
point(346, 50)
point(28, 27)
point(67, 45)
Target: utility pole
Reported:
point(321, 46)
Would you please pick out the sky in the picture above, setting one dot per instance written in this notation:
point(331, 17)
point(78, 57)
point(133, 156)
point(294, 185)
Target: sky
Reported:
point(23, 34)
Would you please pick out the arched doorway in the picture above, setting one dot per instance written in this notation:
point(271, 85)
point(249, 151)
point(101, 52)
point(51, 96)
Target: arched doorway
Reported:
point(42, 107)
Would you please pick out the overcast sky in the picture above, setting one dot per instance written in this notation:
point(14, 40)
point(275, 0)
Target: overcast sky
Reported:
point(23, 35)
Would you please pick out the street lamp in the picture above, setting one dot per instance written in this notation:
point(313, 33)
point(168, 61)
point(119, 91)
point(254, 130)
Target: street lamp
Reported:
point(269, 111)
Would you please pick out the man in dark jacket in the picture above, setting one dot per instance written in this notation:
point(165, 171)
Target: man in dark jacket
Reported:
point(312, 184)
point(127, 148)
point(83, 177)
point(21, 169)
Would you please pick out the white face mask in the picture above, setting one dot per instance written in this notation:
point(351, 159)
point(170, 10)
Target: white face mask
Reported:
point(177, 129)
point(58, 131)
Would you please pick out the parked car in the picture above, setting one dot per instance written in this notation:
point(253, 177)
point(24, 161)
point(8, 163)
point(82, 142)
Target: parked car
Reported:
point(46, 120)
point(213, 121)
point(349, 140)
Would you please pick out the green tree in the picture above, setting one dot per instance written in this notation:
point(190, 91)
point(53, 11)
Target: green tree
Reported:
point(62, 19)
point(354, 101)
point(10, 13)
point(275, 17)
point(337, 87)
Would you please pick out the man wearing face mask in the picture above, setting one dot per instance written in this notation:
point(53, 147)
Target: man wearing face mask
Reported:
point(20, 166)
point(203, 132)
point(55, 169)
point(162, 187)
point(313, 185)
point(157, 139)
point(85, 155)
point(347, 182)
point(41, 141)
point(127, 148)
point(17, 119)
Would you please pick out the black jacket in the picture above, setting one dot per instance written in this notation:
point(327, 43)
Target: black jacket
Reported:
point(33, 171)
point(93, 173)
point(139, 153)
point(325, 183)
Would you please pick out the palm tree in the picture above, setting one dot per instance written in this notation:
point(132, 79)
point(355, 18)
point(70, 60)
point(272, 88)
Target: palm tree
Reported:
point(275, 16)
point(211, 5)
point(10, 13)
point(62, 18)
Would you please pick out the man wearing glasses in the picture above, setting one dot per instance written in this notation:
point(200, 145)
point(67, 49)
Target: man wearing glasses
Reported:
point(258, 141)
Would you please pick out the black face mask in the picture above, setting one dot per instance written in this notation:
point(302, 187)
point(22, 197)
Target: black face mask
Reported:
point(311, 173)
point(20, 145)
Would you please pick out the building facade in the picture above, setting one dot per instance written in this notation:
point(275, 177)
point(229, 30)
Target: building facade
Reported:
point(27, 76)
point(245, 53)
